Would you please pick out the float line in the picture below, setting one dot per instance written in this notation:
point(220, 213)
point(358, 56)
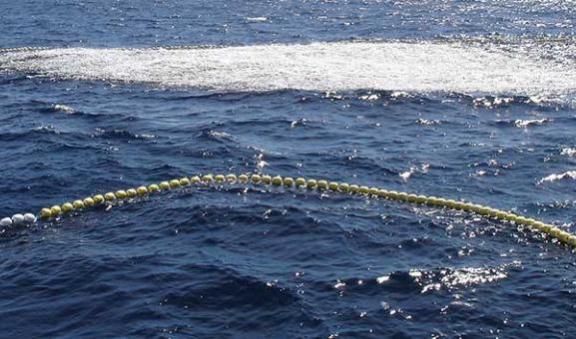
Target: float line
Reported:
point(58, 211)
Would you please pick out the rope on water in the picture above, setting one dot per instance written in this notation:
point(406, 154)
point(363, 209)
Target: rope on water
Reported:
point(58, 211)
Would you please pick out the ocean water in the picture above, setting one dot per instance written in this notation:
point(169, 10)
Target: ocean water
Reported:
point(472, 100)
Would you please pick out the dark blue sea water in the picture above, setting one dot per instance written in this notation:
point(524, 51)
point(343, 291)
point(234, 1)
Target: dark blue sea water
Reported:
point(460, 99)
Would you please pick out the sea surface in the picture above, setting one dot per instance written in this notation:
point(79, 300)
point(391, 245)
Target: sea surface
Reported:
point(471, 100)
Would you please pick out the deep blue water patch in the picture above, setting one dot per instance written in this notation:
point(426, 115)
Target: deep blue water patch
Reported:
point(255, 263)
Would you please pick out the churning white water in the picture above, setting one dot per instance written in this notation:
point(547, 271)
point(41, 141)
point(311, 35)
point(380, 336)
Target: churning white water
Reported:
point(336, 66)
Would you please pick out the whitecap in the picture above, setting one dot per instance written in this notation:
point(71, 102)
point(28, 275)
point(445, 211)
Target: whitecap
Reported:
point(63, 108)
point(528, 123)
point(571, 152)
point(257, 19)
point(558, 176)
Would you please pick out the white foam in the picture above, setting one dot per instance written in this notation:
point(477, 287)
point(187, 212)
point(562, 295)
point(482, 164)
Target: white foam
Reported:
point(337, 66)
point(528, 123)
point(558, 176)
point(63, 108)
point(257, 19)
point(571, 152)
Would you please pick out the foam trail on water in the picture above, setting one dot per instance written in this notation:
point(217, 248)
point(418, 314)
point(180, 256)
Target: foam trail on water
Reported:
point(337, 66)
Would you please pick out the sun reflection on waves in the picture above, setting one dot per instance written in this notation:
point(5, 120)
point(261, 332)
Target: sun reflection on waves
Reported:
point(450, 278)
